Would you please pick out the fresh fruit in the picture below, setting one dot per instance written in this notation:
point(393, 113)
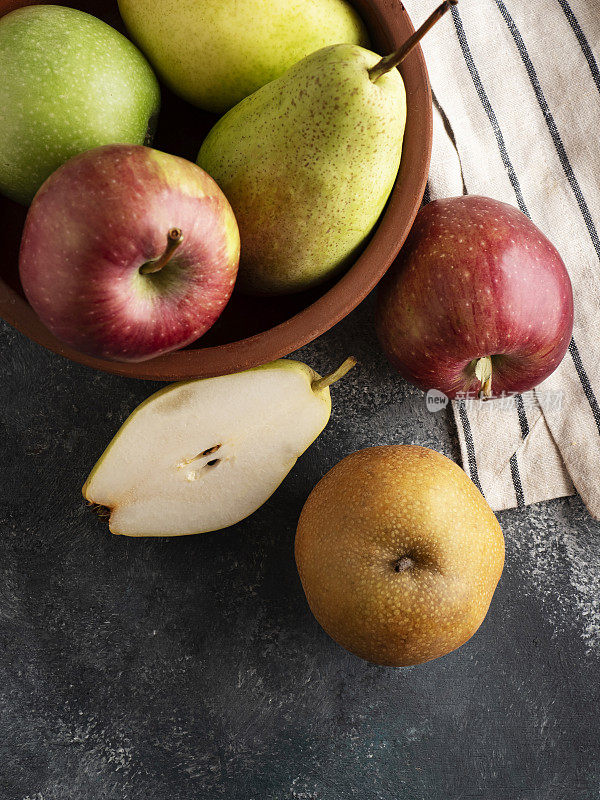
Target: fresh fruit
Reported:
point(70, 82)
point(308, 162)
point(202, 455)
point(306, 179)
point(128, 252)
point(215, 53)
point(478, 302)
point(399, 554)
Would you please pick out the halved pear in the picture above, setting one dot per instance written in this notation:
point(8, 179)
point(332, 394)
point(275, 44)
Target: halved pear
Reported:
point(201, 455)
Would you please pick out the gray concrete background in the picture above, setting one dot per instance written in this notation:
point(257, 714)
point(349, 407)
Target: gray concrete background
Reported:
point(192, 668)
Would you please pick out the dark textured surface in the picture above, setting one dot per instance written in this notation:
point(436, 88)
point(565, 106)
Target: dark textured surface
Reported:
point(192, 668)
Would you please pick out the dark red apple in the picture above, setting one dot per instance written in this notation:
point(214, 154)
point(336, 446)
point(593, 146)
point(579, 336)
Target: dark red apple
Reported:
point(478, 300)
point(128, 252)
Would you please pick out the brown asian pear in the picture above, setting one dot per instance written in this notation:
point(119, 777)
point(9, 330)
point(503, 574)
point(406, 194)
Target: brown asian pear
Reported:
point(399, 554)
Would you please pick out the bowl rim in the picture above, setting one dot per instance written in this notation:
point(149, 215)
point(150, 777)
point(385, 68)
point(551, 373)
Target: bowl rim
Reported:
point(329, 309)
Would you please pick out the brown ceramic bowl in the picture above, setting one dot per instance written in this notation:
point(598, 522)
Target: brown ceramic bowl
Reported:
point(252, 331)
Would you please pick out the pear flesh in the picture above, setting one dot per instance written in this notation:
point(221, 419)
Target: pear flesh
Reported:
point(308, 163)
point(202, 455)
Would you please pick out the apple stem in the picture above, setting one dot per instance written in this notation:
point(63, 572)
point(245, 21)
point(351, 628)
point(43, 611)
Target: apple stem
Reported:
point(389, 62)
point(174, 239)
point(322, 383)
point(483, 372)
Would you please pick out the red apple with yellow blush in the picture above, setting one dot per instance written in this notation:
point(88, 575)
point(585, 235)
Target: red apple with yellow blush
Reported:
point(128, 252)
point(479, 301)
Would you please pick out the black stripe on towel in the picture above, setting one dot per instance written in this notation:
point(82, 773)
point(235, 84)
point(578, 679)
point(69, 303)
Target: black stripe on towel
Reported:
point(514, 465)
point(585, 382)
point(426, 195)
point(583, 42)
point(551, 125)
point(487, 106)
point(464, 418)
point(516, 477)
point(522, 415)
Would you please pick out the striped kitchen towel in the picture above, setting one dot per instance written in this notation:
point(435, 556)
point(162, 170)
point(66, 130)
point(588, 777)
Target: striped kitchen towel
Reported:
point(516, 87)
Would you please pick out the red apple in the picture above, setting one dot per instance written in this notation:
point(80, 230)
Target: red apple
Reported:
point(478, 301)
point(128, 252)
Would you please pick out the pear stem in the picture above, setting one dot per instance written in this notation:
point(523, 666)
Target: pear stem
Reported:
point(389, 62)
point(322, 383)
point(174, 239)
point(483, 372)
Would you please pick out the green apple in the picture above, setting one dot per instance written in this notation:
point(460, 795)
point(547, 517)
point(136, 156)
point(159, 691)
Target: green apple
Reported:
point(215, 53)
point(201, 455)
point(69, 82)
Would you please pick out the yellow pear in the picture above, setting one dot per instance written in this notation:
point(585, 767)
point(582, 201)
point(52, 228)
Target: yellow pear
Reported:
point(213, 53)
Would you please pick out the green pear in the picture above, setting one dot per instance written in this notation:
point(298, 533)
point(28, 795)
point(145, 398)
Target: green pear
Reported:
point(69, 83)
point(201, 455)
point(308, 163)
point(214, 53)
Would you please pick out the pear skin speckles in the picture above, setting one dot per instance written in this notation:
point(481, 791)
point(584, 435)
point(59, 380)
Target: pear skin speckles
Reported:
point(308, 163)
point(399, 554)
